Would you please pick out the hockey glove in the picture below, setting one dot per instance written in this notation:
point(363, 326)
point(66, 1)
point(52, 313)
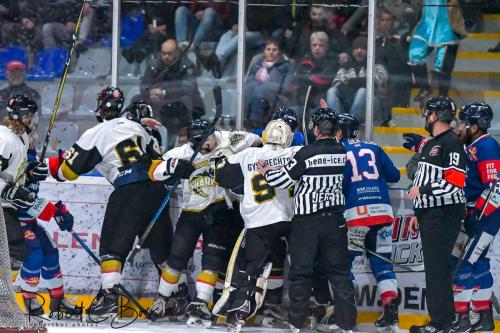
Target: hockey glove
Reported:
point(17, 195)
point(63, 217)
point(37, 171)
point(471, 223)
point(414, 142)
point(180, 168)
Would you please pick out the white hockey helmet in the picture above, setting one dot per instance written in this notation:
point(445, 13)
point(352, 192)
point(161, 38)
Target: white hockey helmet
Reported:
point(277, 132)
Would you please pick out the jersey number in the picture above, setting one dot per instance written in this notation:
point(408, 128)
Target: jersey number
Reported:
point(263, 191)
point(356, 176)
point(129, 151)
point(454, 159)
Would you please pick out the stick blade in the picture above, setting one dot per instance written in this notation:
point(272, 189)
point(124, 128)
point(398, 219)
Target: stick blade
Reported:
point(217, 91)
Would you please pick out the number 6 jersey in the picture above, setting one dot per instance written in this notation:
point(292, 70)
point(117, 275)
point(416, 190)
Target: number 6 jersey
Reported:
point(262, 204)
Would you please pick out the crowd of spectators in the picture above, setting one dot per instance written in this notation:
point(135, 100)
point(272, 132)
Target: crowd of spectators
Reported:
point(289, 48)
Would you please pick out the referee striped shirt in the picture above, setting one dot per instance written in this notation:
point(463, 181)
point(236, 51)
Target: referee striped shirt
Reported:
point(316, 172)
point(441, 172)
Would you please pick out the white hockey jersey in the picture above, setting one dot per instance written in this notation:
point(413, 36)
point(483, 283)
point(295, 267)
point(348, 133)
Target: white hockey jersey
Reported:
point(200, 190)
point(262, 204)
point(13, 156)
point(108, 146)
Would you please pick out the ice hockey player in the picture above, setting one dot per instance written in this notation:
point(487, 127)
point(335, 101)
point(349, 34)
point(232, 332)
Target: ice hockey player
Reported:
point(267, 212)
point(117, 147)
point(369, 214)
point(473, 284)
point(19, 188)
point(290, 117)
point(318, 228)
point(439, 205)
point(204, 212)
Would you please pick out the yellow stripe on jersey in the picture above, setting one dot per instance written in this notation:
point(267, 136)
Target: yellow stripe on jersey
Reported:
point(152, 168)
point(67, 173)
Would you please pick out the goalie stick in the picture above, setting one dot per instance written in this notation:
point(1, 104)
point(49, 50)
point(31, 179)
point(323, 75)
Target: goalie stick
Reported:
point(218, 112)
point(52, 119)
point(229, 274)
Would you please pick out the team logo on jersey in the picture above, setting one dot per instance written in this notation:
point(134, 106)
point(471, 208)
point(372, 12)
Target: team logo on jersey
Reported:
point(434, 151)
point(30, 235)
point(235, 138)
point(472, 153)
point(201, 184)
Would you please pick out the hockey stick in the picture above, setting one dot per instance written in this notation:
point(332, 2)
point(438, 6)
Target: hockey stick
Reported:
point(419, 268)
point(460, 260)
point(229, 274)
point(122, 288)
point(304, 127)
point(218, 112)
point(61, 84)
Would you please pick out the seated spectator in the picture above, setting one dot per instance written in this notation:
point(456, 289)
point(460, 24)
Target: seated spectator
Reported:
point(317, 69)
point(16, 76)
point(24, 30)
point(207, 20)
point(348, 91)
point(159, 24)
point(171, 89)
point(391, 54)
point(267, 79)
point(60, 24)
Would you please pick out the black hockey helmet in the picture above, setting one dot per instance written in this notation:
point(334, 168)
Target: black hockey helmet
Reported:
point(443, 106)
point(287, 115)
point(21, 105)
point(480, 114)
point(325, 119)
point(199, 128)
point(138, 110)
point(109, 99)
point(349, 124)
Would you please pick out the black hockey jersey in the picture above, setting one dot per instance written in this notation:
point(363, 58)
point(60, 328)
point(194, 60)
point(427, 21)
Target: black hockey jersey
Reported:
point(441, 172)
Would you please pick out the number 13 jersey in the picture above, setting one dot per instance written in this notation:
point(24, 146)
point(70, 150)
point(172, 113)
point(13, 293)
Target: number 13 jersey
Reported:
point(263, 204)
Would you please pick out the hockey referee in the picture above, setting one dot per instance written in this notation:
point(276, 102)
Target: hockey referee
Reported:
point(439, 205)
point(318, 227)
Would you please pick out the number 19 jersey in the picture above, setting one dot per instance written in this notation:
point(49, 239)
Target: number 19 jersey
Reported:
point(263, 204)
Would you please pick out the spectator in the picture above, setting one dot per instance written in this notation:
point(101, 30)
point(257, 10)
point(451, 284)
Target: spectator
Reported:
point(25, 30)
point(390, 54)
point(171, 89)
point(16, 75)
point(60, 24)
point(317, 69)
point(206, 19)
point(159, 24)
point(267, 79)
point(348, 91)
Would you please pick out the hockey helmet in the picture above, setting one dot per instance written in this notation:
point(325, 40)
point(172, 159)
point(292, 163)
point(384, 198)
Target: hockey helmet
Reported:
point(109, 99)
point(278, 132)
point(480, 114)
point(20, 106)
point(349, 124)
point(443, 106)
point(326, 120)
point(138, 110)
point(287, 115)
point(198, 129)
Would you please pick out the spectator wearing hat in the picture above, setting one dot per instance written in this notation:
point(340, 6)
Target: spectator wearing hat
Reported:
point(16, 75)
point(348, 91)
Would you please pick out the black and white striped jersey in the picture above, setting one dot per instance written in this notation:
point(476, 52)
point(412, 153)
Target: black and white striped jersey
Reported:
point(316, 171)
point(441, 172)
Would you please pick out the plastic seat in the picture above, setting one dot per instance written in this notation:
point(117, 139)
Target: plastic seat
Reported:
point(11, 53)
point(88, 103)
point(92, 63)
point(132, 28)
point(49, 94)
point(49, 63)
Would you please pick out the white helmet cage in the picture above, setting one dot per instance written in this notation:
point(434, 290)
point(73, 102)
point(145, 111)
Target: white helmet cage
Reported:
point(277, 132)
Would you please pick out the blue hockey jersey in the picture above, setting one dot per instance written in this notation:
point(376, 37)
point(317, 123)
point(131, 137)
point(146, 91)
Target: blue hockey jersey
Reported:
point(367, 171)
point(483, 165)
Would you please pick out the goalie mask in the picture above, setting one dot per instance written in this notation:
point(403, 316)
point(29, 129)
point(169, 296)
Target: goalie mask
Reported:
point(109, 103)
point(138, 110)
point(278, 132)
point(23, 109)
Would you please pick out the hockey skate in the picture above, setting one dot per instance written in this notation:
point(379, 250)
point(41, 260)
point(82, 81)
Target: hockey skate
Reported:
point(272, 316)
point(33, 307)
point(321, 315)
point(171, 308)
point(482, 321)
point(389, 319)
point(430, 328)
point(199, 314)
point(461, 324)
point(63, 308)
point(104, 305)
